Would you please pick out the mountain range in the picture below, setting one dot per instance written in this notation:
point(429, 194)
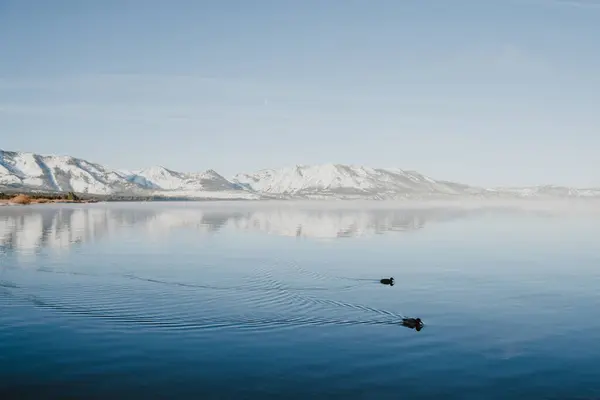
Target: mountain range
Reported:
point(34, 172)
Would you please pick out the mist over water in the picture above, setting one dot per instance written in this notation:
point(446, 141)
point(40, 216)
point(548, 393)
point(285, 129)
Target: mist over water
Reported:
point(272, 299)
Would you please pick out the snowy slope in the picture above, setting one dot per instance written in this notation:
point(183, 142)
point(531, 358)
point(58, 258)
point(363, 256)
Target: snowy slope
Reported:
point(166, 179)
point(329, 181)
point(64, 173)
point(347, 180)
point(59, 173)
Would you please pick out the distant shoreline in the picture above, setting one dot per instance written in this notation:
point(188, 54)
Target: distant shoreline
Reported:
point(39, 197)
point(7, 196)
point(48, 201)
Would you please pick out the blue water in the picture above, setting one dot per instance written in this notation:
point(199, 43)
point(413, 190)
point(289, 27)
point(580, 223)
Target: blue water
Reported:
point(231, 301)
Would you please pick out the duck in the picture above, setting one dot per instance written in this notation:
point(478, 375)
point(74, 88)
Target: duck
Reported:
point(413, 323)
point(387, 281)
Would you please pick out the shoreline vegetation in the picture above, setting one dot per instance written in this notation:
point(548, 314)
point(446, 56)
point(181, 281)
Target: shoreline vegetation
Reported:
point(17, 196)
point(14, 197)
point(38, 198)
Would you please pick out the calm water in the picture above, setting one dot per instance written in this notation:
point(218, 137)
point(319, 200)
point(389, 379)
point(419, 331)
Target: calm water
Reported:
point(224, 301)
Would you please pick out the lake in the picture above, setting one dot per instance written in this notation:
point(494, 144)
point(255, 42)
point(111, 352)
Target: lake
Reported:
point(235, 300)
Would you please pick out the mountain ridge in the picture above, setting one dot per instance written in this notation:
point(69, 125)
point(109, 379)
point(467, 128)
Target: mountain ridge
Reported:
point(31, 171)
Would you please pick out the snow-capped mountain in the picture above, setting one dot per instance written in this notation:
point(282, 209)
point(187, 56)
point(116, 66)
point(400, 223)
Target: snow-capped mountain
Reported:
point(63, 174)
point(59, 173)
point(162, 178)
point(29, 171)
point(348, 181)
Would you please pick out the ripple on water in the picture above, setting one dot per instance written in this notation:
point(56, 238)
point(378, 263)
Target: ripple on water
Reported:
point(260, 302)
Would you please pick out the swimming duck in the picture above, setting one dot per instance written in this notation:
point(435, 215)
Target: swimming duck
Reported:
point(387, 281)
point(413, 323)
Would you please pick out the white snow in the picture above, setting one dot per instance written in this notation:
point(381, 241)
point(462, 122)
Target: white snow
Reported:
point(161, 177)
point(326, 181)
point(26, 165)
point(340, 180)
point(9, 179)
point(64, 173)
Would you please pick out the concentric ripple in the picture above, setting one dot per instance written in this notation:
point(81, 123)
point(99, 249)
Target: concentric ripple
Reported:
point(261, 301)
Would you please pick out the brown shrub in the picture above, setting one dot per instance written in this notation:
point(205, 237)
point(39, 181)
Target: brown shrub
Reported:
point(21, 199)
point(42, 201)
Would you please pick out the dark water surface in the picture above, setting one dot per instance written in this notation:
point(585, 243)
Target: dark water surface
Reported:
point(224, 301)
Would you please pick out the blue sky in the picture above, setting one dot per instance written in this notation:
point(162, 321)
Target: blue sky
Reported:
point(483, 92)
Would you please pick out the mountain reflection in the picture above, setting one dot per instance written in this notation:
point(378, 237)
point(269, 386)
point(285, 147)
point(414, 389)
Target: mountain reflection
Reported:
point(27, 229)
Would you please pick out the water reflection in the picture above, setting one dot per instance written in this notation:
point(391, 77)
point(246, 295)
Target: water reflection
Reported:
point(28, 229)
point(497, 304)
